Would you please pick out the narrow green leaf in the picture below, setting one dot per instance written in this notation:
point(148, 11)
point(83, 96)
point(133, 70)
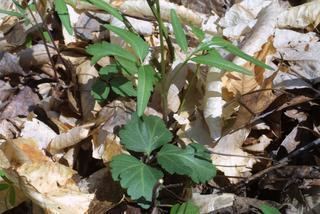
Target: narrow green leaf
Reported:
point(266, 209)
point(137, 177)
point(178, 31)
point(4, 187)
point(144, 134)
point(99, 50)
point(62, 11)
point(185, 208)
point(215, 60)
point(219, 41)
point(2, 173)
point(19, 7)
point(100, 90)
point(46, 36)
point(11, 13)
point(123, 87)
point(106, 7)
point(186, 162)
point(12, 195)
point(145, 87)
point(137, 43)
point(198, 33)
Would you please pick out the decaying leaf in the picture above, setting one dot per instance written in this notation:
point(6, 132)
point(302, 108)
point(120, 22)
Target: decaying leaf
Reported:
point(301, 16)
point(232, 165)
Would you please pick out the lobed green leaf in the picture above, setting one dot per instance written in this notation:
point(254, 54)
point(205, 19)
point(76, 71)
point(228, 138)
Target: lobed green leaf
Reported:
point(186, 162)
point(144, 134)
point(137, 177)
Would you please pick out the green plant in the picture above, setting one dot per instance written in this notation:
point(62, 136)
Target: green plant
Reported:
point(7, 185)
point(267, 209)
point(148, 139)
point(151, 154)
point(185, 208)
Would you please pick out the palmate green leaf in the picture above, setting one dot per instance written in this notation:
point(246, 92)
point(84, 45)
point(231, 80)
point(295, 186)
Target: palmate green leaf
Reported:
point(4, 186)
point(62, 11)
point(266, 209)
point(144, 134)
point(137, 43)
point(214, 59)
point(145, 87)
point(99, 50)
point(106, 7)
point(185, 208)
point(137, 177)
point(123, 87)
point(100, 90)
point(219, 41)
point(186, 162)
point(181, 38)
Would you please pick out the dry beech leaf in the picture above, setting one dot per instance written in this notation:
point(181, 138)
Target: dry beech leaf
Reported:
point(21, 104)
point(262, 142)
point(253, 44)
point(50, 185)
point(195, 131)
point(231, 165)
point(212, 202)
point(36, 56)
point(241, 17)
point(290, 143)
point(9, 64)
point(31, 130)
point(68, 139)
point(300, 16)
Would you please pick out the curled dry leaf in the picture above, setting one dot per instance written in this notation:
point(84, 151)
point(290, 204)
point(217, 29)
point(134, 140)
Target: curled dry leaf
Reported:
point(29, 168)
point(213, 103)
point(241, 18)
point(141, 9)
point(70, 138)
point(87, 75)
point(301, 16)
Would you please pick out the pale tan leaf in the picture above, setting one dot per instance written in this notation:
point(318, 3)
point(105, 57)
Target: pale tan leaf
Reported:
point(68, 139)
point(300, 16)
